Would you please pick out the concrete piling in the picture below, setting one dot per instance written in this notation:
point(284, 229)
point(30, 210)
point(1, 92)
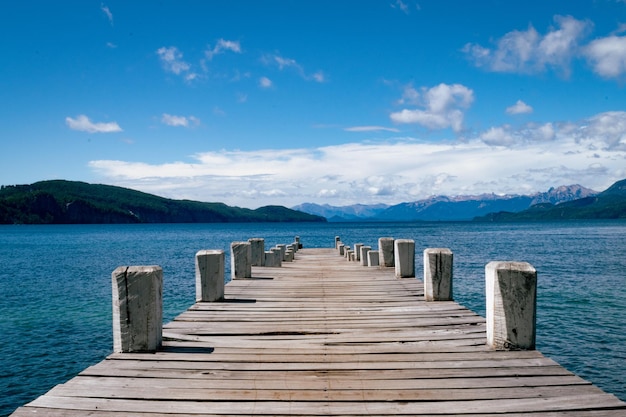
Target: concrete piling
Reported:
point(386, 250)
point(240, 260)
point(373, 258)
point(257, 248)
point(210, 275)
point(404, 258)
point(438, 274)
point(137, 308)
point(363, 254)
point(511, 291)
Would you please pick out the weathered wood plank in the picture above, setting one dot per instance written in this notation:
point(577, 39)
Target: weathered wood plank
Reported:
point(323, 336)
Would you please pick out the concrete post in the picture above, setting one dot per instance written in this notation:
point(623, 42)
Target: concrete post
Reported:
point(511, 289)
point(298, 242)
point(289, 255)
point(349, 255)
point(337, 240)
point(257, 247)
point(373, 258)
point(283, 249)
point(438, 274)
point(137, 308)
point(240, 260)
point(278, 256)
point(386, 249)
point(357, 251)
point(210, 275)
point(363, 255)
point(342, 249)
point(271, 259)
point(404, 258)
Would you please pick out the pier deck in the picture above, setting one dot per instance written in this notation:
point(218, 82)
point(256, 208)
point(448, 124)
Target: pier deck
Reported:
point(321, 337)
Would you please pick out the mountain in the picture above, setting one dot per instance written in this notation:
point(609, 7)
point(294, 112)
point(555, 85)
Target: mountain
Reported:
point(356, 212)
point(609, 204)
point(71, 202)
point(443, 208)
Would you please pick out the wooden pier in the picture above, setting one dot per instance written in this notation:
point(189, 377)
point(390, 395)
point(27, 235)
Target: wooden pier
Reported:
point(325, 337)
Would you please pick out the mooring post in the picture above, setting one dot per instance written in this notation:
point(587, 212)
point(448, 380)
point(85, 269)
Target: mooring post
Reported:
point(404, 258)
point(438, 274)
point(385, 250)
point(210, 275)
point(298, 243)
point(511, 290)
point(341, 248)
point(357, 251)
point(278, 256)
point(349, 255)
point(363, 255)
point(137, 308)
point(257, 249)
point(240, 260)
point(373, 258)
point(283, 249)
point(337, 240)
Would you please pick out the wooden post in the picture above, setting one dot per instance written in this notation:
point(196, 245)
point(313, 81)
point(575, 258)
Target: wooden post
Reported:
point(137, 308)
point(373, 258)
point(210, 275)
point(438, 274)
point(257, 247)
point(404, 258)
point(385, 250)
point(363, 255)
point(511, 289)
point(240, 260)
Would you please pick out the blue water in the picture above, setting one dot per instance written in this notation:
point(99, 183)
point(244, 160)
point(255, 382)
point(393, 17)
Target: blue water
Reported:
point(55, 286)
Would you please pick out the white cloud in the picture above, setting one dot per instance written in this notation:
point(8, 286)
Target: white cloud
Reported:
point(83, 124)
point(221, 46)
point(176, 121)
point(607, 56)
point(172, 61)
point(370, 129)
point(107, 12)
point(265, 82)
point(502, 159)
point(283, 63)
point(399, 4)
point(519, 108)
point(529, 52)
point(441, 104)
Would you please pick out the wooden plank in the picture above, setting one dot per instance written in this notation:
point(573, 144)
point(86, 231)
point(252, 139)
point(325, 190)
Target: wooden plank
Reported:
point(323, 336)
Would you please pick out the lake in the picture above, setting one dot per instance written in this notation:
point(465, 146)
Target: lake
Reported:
point(55, 286)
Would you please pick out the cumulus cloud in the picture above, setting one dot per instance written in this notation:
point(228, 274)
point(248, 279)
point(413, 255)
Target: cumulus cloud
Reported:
point(530, 52)
point(442, 107)
point(607, 56)
point(221, 46)
point(179, 121)
point(83, 124)
point(519, 108)
point(502, 159)
point(172, 60)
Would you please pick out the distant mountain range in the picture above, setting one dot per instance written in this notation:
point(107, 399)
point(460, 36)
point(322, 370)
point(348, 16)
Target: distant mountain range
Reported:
point(484, 207)
point(71, 202)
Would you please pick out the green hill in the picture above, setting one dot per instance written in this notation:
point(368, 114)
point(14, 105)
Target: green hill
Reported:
point(71, 202)
point(609, 204)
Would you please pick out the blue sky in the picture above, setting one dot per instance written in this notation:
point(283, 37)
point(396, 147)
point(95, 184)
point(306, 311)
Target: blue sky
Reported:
point(334, 102)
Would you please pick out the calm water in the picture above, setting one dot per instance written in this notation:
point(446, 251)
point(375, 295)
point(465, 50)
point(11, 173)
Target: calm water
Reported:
point(55, 286)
